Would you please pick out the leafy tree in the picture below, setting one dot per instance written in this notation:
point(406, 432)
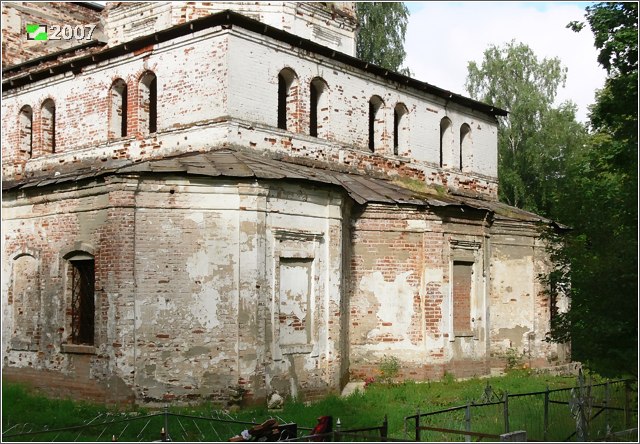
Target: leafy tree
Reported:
point(534, 139)
point(383, 26)
point(600, 203)
point(558, 141)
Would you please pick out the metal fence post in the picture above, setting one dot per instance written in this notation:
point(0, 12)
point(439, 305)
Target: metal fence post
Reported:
point(546, 415)
point(581, 409)
point(607, 413)
point(406, 429)
point(506, 412)
point(418, 425)
point(467, 421)
point(165, 435)
point(385, 427)
point(627, 403)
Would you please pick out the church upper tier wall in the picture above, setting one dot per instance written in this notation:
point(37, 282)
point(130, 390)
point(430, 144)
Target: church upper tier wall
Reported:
point(330, 24)
point(230, 85)
point(343, 107)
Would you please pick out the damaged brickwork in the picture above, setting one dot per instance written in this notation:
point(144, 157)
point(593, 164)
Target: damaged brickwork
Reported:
point(194, 209)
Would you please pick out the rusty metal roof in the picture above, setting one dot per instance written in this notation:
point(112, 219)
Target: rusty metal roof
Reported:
point(240, 163)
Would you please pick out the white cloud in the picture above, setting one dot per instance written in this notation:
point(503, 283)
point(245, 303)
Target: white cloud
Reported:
point(443, 36)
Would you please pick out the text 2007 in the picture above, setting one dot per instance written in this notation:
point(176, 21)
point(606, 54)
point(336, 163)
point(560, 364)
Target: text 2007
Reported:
point(71, 32)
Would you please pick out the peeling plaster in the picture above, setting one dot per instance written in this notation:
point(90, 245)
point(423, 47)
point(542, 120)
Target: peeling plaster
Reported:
point(93, 220)
point(395, 303)
point(418, 225)
point(198, 265)
point(515, 335)
point(204, 306)
point(196, 217)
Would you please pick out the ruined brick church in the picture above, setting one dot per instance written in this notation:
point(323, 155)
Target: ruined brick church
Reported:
point(205, 197)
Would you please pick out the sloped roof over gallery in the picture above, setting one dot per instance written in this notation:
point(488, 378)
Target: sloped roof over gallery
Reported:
point(240, 163)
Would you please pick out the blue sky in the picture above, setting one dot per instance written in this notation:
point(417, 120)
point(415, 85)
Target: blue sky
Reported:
point(443, 37)
point(541, 6)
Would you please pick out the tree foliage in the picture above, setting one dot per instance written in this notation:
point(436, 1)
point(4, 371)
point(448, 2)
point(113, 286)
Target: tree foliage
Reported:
point(549, 164)
point(600, 202)
point(383, 26)
point(534, 139)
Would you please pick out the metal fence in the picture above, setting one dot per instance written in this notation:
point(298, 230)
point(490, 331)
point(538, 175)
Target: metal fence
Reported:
point(587, 412)
point(161, 426)
point(166, 426)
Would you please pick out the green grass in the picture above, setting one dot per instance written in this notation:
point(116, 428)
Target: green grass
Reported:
point(361, 409)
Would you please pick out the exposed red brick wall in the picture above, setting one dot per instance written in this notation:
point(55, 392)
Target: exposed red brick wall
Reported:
point(77, 386)
point(462, 297)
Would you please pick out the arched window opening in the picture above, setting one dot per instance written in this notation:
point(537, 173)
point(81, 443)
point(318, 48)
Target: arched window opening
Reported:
point(399, 128)
point(318, 112)
point(118, 97)
point(148, 112)
point(287, 99)
point(48, 126)
point(82, 279)
point(445, 125)
point(313, 112)
point(25, 136)
point(375, 126)
point(465, 144)
point(153, 105)
point(282, 102)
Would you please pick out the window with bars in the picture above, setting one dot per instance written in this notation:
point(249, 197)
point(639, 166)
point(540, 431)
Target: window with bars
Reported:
point(82, 301)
